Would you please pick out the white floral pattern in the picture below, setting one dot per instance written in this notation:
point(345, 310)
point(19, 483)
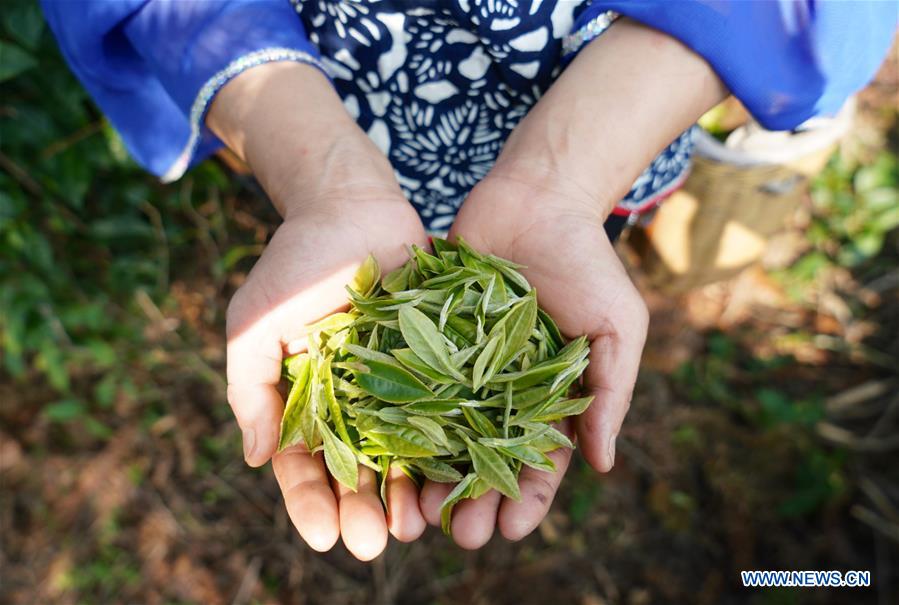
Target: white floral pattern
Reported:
point(439, 86)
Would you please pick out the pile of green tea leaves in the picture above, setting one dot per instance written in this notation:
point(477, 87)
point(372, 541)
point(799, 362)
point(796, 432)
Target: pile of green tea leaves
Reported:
point(446, 368)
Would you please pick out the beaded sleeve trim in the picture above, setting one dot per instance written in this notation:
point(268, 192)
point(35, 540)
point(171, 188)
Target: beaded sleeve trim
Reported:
point(590, 31)
point(214, 84)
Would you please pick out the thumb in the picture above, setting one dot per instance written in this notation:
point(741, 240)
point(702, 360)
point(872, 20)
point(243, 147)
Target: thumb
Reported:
point(254, 370)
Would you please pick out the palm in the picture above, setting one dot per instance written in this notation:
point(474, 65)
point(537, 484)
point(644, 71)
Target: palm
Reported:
point(581, 283)
point(299, 279)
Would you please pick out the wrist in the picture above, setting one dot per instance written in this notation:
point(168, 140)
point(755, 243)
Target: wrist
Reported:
point(287, 122)
point(625, 97)
point(537, 175)
point(543, 158)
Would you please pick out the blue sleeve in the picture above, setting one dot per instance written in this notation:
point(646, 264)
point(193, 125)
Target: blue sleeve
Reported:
point(786, 60)
point(153, 66)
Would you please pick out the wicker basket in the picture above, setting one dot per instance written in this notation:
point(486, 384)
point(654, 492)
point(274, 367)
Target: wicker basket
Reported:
point(734, 200)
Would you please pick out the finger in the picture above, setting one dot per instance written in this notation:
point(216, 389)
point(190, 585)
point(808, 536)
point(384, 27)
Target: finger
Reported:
point(475, 520)
point(258, 409)
point(296, 345)
point(258, 332)
point(432, 496)
point(404, 518)
point(308, 496)
point(362, 523)
point(254, 370)
point(610, 377)
point(517, 519)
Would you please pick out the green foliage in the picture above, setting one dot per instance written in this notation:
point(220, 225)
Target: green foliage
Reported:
point(82, 229)
point(855, 207)
point(778, 408)
point(755, 394)
point(818, 480)
point(111, 570)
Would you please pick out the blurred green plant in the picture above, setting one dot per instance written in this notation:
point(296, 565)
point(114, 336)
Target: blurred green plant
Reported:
point(730, 376)
point(112, 570)
point(82, 230)
point(855, 205)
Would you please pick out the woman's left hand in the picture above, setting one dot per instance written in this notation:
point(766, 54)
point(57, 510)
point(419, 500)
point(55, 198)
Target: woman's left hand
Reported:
point(556, 231)
point(543, 205)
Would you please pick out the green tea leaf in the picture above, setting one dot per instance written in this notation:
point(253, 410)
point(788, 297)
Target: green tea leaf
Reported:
point(461, 357)
point(459, 492)
point(426, 341)
point(384, 463)
point(391, 383)
point(435, 407)
point(507, 411)
point(563, 409)
point(427, 263)
point(525, 399)
point(406, 442)
point(453, 278)
point(366, 354)
point(516, 280)
point(339, 458)
point(572, 355)
point(513, 441)
point(552, 330)
point(366, 279)
point(297, 400)
point(478, 489)
point(373, 449)
point(569, 375)
point(463, 332)
point(530, 456)
point(432, 429)
point(332, 323)
point(398, 279)
point(391, 414)
point(445, 311)
point(412, 361)
point(442, 246)
point(499, 297)
point(480, 422)
point(484, 303)
point(336, 415)
point(517, 323)
point(490, 467)
point(468, 255)
point(486, 362)
point(314, 408)
point(295, 365)
point(437, 471)
point(371, 420)
point(346, 388)
point(551, 440)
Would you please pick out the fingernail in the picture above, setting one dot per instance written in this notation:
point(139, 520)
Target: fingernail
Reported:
point(612, 451)
point(249, 443)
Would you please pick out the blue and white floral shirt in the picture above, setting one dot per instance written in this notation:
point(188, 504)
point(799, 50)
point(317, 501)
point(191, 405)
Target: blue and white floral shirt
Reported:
point(439, 84)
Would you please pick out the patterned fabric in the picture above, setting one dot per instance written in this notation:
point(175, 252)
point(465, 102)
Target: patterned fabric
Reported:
point(153, 67)
point(439, 88)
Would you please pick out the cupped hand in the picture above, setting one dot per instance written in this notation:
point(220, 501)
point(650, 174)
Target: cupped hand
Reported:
point(340, 202)
point(299, 279)
point(555, 230)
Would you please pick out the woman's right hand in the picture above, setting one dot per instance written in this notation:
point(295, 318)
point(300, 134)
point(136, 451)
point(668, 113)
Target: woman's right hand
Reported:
point(340, 203)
